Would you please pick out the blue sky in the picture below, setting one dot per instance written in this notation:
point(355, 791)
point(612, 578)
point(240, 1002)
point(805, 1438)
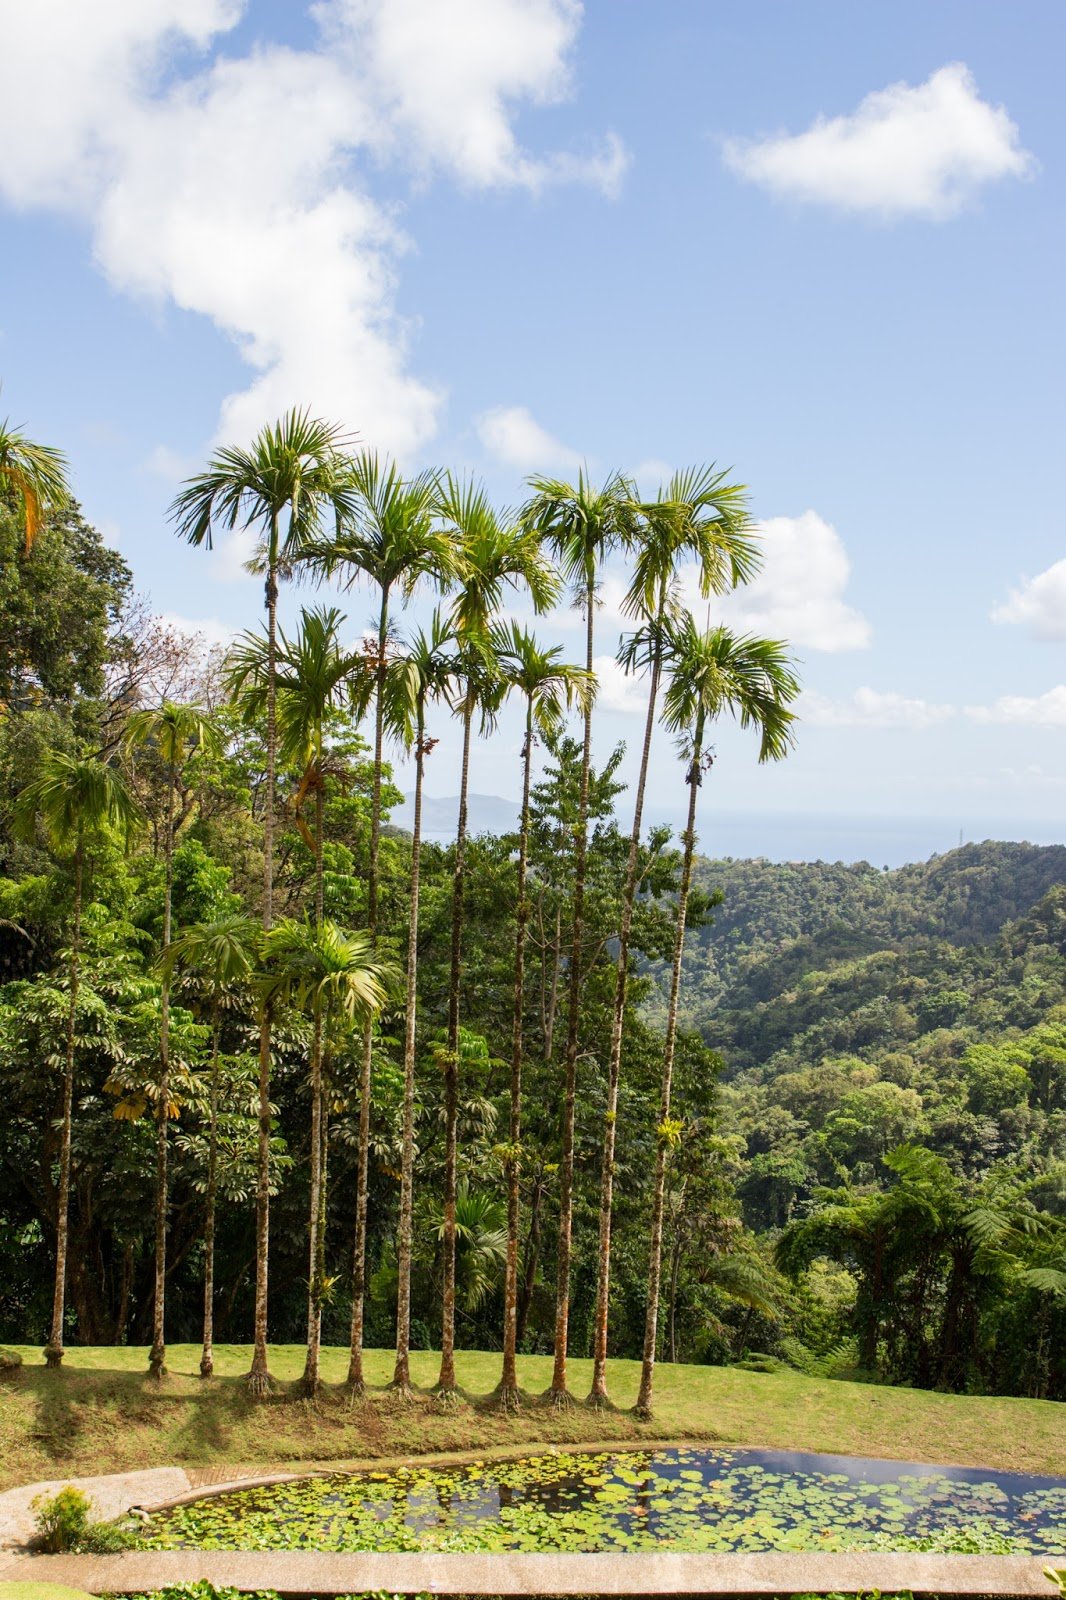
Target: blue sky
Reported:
point(820, 244)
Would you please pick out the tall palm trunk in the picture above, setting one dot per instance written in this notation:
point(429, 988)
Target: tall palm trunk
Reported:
point(446, 1378)
point(259, 1381)
point(401, 1377)
point(507, 1394)
point(157, 1357)
point(316, 1208)
point(598, 1393)
point(559, 1392)
point(311, 1380)
point(655, 1262)
point(207, 1355)
point(53, 1352)
point(532, 1257)
point(356, 1378)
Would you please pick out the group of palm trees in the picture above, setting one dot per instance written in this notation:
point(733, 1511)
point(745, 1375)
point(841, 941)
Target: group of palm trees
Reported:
point(321, 508)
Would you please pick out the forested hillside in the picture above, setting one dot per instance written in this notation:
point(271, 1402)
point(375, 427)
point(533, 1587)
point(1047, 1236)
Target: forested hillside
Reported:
point(858, 1013)
point(813, 913)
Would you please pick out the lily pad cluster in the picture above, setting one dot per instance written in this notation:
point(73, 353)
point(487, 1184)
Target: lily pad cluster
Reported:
point(683, 1500)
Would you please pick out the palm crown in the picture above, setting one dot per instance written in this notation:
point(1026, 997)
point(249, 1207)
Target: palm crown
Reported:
point(72, 798)
point(700, 516)
point(313, 676)
point(551, 685)
point(36, 473)
point(294, 464)
point(715, 670)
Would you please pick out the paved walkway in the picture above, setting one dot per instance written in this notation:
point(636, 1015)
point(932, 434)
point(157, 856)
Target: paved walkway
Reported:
point(111, 1495)
point(310, 1572)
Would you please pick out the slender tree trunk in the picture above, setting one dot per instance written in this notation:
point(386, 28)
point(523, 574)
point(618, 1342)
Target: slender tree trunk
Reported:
point(446, 1378)
point(675, 1267)
point(157, 1356)
point(552, 1008)
point(53, 1352)
point(259, 1380)
point(651, 1322)
point(529, 1277)
point(311, 1380)
point(401, 1377)
point(507, 1394)
point(559, 1392)
point(598, 1393)
point(356, 1378)
point(207, 1355)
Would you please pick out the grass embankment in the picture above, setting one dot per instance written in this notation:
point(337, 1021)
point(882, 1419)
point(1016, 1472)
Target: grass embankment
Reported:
point(100, 1413)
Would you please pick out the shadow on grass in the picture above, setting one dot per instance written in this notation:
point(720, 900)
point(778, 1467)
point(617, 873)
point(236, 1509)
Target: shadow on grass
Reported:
point(57, 1421)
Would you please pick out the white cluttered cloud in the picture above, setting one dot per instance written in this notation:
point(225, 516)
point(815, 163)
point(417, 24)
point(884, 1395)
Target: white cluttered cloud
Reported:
point(513, 436)
point(871, 708)
point(799, 594)
point(923, 151)
point(1038, 604)
point(1047, 710)
point(228, 185)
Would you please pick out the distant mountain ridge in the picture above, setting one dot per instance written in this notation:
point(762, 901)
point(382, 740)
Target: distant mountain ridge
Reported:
point(486, 813)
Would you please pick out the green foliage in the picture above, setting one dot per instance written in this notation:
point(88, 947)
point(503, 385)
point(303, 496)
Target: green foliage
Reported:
point(60, 604)
point(829, 1014)
point(62, 1520)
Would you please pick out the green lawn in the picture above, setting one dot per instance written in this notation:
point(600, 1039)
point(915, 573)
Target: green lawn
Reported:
point(100, 1414)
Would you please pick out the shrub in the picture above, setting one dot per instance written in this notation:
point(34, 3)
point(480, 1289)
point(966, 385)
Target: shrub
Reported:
point(62, 1519)
point(64, 1523)
point(757, 1362)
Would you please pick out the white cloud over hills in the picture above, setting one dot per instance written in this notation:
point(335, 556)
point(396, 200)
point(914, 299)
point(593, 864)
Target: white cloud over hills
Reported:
point(1039, 604)
point(800, 593)
point(228, 185)
point(1047, 710)
point(871, 708)
point(515, 437)
point(922, 151)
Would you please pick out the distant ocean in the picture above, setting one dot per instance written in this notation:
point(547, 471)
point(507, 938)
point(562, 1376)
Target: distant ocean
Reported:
point(882, 841)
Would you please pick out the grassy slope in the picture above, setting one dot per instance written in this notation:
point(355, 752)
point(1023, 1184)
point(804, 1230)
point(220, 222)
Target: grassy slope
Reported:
point(99, 1414)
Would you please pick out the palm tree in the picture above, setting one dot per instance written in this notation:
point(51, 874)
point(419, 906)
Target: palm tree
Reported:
point(582, 525)
point(710, 672)
point(549, 687)
point(701, 517)
point(494, 554)
point(426, 671)
point(76, 802)
point(312, 678)
point(175, 731)
point(390, 541)
point(36, 473)
point(222, 956)
point(294, 467)
point(333, 974)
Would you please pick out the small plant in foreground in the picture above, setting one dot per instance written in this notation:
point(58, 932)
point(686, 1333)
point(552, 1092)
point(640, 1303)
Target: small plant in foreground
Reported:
point(62, 1520)
point(64, 1523)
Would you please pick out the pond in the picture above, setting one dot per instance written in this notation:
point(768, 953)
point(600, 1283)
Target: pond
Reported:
point(678, 1499)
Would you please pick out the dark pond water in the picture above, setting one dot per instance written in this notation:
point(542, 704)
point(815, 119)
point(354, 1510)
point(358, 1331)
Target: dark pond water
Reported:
point(683, 1499)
